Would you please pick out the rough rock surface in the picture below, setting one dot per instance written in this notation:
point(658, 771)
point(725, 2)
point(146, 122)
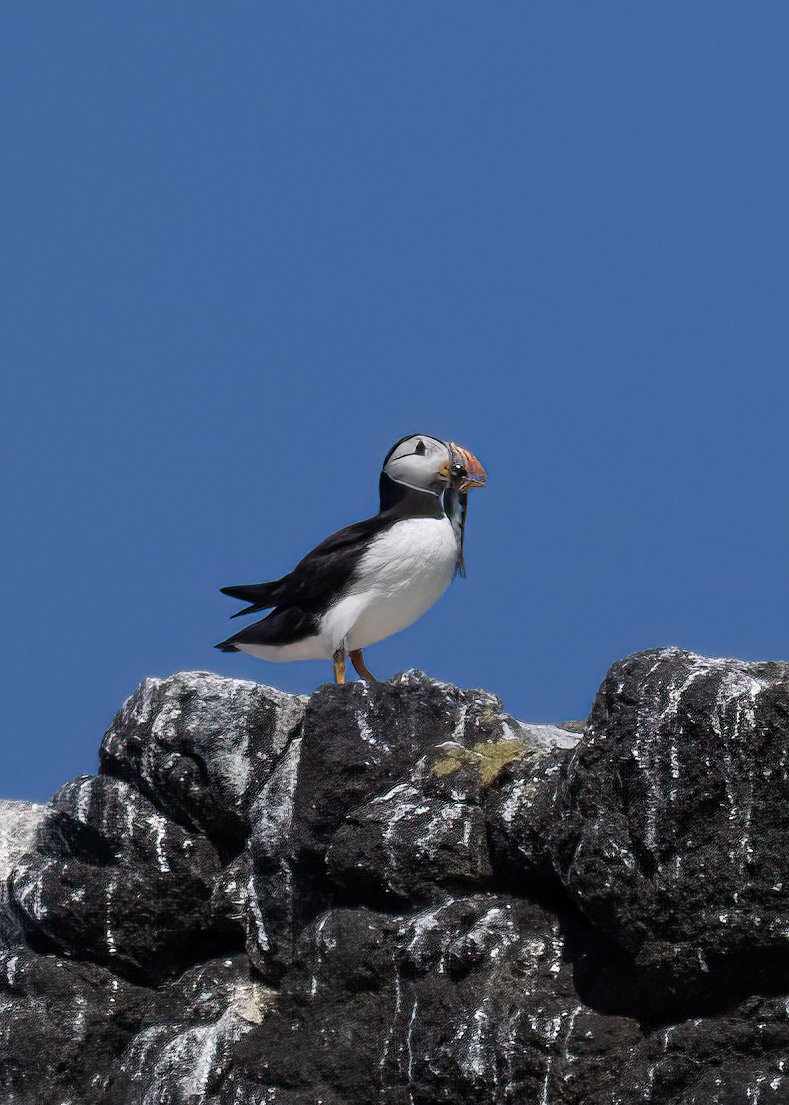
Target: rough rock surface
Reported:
point(673, 834)
point(19, 823)
point(398, 894)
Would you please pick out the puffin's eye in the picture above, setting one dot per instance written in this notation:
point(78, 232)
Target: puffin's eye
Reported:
point(458, 470)
point(421, 448)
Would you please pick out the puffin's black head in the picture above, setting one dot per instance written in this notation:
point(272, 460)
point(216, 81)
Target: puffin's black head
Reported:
point(442, 468)
point(427, 463)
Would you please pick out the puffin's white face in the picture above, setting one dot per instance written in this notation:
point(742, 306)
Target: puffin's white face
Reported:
point(429, 464)
point(418, 462)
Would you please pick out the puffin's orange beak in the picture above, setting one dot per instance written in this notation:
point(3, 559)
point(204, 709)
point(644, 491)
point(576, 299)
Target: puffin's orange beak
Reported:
point(475, 474)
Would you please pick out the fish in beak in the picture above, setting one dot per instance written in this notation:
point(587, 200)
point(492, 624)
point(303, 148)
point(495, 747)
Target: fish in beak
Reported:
point(464, 472)
point(469, 470)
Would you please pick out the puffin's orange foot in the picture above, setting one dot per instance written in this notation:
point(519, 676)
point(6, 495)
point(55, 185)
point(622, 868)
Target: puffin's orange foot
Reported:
point(339, 666)
point(357, 659)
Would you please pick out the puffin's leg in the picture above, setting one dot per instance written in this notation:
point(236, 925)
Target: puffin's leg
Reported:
point(339, 665)
point(357, 659)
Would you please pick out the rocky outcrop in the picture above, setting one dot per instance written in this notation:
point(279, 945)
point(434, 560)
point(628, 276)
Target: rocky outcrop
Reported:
point(398, 894)
point(673, 836)
point(19, 823)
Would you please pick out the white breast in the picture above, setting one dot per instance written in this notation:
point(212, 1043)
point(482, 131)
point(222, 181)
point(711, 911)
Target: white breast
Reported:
point(405, 570)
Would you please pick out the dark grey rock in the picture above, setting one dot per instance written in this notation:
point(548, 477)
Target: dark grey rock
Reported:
point(402, 896)
point(114, 881)
point(413, 844)
point(471, 1000)
point(519, 812)
point(183, 1049)
point(380, 801)
point(63, 1026)
point(739, 1057)
point(199, 746)
point(672, 829)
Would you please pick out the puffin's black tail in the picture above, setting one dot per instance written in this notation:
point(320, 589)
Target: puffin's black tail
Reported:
point(226, 646)
point(259, 595)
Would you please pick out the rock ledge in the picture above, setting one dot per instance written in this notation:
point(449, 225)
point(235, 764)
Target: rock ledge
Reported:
point(398, 894)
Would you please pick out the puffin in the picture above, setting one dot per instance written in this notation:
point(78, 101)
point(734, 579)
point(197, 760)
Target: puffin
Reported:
point(375, 577)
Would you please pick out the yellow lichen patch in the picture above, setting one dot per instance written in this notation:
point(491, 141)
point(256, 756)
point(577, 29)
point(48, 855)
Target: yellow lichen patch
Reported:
point(454, 757)
point(495, 755)
point(489, 757)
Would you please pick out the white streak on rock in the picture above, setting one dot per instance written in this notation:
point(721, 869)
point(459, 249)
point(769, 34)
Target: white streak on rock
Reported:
point(261, 935)
point(319, 959)
point(109, 936)
point(159, 830)
point(10, 969)
point(392, 1025)
point(410, 1049)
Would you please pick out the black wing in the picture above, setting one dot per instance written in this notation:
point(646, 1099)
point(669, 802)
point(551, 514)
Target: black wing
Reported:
point(258, 594)
point(305, 593)
point(281, 627)
point(322, 574)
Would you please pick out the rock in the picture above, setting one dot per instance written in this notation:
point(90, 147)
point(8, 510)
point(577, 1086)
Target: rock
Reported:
point(412, 843)
point(672, 830)
point(519, 812)
point(726, 1060)
point(63, 1027)
point(19, 822)
point(199, 746)
point(183, 1048)
point(471, 1000)
point(114, 881)
point(398, 894)
point(381, 799)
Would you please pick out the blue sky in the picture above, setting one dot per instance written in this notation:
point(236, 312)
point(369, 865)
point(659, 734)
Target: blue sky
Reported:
point(249, 246)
